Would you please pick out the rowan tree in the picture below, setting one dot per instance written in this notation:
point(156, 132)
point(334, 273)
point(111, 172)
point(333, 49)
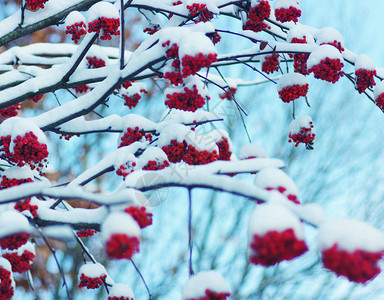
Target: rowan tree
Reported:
point(81, 83)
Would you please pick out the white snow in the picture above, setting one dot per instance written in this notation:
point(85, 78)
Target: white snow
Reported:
point(363, 61)
point(74, 17)
point(92, 270)
point(152, 153)
point(102, 9)
point(196, 286)
point(195, 43)
point(329, 35)
point(120, 290)
point(379, 89)
point(12, 222)
point(171, 132)
point(287, 4)
point(298, 123)
point(290, 79)
point(15, 172)
point(322, 52)
point(349, 235)
point(121, 223)
point(268, 217)
point(20, 251)
point(252, 150)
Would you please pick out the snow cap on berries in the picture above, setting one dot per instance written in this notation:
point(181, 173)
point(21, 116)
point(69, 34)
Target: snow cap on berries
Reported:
point(93, 270)
point(12, 222)
point(120, 291)
point(176, 132)
point(153, 158)
point(73, 18)
point(276, 179)
point(102, 9)
point(250, 150)
point(119, 222)
point(21, 258)
point(331, 36)
point(292, 86)
point(299, 32)
point(204, 284)
point(322, 52)
point(363, 61)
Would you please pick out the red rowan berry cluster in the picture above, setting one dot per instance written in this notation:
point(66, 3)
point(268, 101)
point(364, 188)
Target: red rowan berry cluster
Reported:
point(224, 153)
point(35, 4)
point(36, 98)
point(293, 92)
point(85, 232)
point(120, 298)
point(26, 205)
point(67, 137)
point(121, 246)
point(141, 216)
point(77, 30)
point(358, 266)
point(94, 62)
point(364, 79)
point(174, 77)
point(211, 295)
point(190, 100)
point(91, 283)
point(287, 15)
point(283, 190)
point(131, 101)
point(328, 69)
point(134, 135)
point(335, 44)
point(192, 156)
point(175, 151)
point(229, 94)
point(10, 111)
point(127, 84)
point(81, 89)
point(177, 3)
point(153, 165)
point(14, 241)
point(200, 10)
point(123, 170)
point(6, 288)
point(7, 183)
point(275, 247)
point(256, 17)
point(305, 136)
point(215, 37)
point(20, 263)
point(27, 149)
point(380, 101)
point(300, 60)
point(108, 27)
point(151, 29)
point(270, 64)
point(193, 64)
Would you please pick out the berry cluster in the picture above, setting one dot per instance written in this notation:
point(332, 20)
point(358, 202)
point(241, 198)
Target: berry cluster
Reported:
point(81, 89)
point(123, 170)
point(91, 283)
point(134, 135)
point(190, 100)
point(335, 44)
point(27, 149)
point(36, 98)
point(108, 26)
point(6, 288)
point(224, 153)
point(141, 216)
point(20, 263)
point(300, 60)
point(304, 136)
point(211, 295)
point(67, 137)
point(192, 156)
point(270, 64)
point(380, 101)
point(275, 247)
point(14, 241)
point(200, 10)
point(120, 298)
point(35, 4)
point(152, 29)
point(283, 190)
point(287, 15)
point(10, 111)
point(174, 77)
point(85, 232)
point(215, 37)
point(358, 266)
point(77, 30)
point(364, 79)
point(175, 151)
point(26, 205)
point(229, 93)
point(328, 69)
point(7, 183)
point(121, 246)
point(193, 64)
point(293, 92)
point(256, 17)
point(132, 101)
point(94, 62)
point(154, 165)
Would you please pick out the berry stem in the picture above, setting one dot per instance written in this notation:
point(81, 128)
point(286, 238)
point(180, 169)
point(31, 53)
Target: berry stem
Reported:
point(142, 278)
point(190, 243)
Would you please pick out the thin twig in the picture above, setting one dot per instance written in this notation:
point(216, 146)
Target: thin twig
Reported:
point(190, 243)
point(122, 46)
point(142, 278)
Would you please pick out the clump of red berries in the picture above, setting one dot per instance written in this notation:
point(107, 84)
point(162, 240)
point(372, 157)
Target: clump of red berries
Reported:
point(26, 205)
point(10, 111)
point(229, 93)
point(121, 246)
point(124, 171)
point(358, 266)
point(81, 89)
point(364, 79)
point(27, 150)
point(287, 15)
point(224, 152)
point(91, 283)
point(328, 69)
point(293, 92)
point(282, 190)
point(154, 165)
point(134, 135)
point(77, 30)
point(85, 232)
point(336, 44)
point(36, 98)
point(274, 247)
point(188, 100)
point(175, 151)
point(256, 17)
point(193, 156)
point(6, 283)
point(131, 101)
point(192, 64)
point(300, 60)
point(35, 4)
point(20, 263)
point(152, 29)
point(200, 10)
point(14, 241)
point(94, 62)
point(107, 26)
point(271, 63)
point(305, 136)
point(140, 215)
